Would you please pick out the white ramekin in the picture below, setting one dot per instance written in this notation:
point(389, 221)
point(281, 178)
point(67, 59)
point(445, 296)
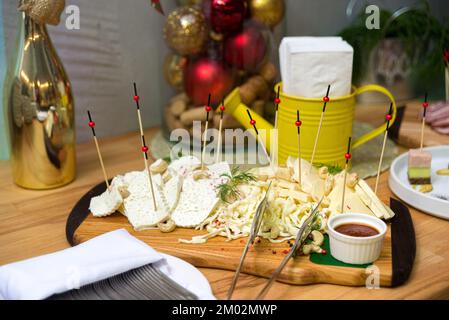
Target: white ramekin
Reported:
point(356, 250)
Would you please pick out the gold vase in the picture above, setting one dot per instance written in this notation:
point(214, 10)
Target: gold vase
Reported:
point(40, 112)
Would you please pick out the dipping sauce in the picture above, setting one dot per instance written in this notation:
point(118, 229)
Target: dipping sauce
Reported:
point(356, 230)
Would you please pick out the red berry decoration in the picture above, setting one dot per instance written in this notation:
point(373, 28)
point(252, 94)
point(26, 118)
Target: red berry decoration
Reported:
point(277, 101)
point(425, 104)
point(253, 122)
point(208, 108)
point(136, 98)
point(347, 156)
point(388, 117)
point(326, 99)
point(298, 123)
point(222, 108)
point(91, 124)
point(145, 149)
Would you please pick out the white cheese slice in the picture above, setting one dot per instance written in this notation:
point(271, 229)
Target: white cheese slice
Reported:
point(184, 165)
point(110, 200)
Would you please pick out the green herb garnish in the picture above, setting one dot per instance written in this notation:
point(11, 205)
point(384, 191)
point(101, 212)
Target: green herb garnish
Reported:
point(228, 191)
point(333, 169)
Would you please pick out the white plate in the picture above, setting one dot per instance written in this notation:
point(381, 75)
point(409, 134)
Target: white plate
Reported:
point(427, 202)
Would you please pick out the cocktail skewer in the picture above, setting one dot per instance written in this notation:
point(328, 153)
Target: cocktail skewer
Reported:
point(208, 109)
point(326, 100)
point(347, 157)
point(388, 117)
point(298, 124)
point(220, 127)
point(144, 147)
point(273, 151)
point(253, 123)
point(425, 104)
point(92, 126)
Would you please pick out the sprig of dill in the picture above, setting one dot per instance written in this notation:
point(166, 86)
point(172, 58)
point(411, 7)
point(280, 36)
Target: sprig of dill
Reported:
point(228, 191)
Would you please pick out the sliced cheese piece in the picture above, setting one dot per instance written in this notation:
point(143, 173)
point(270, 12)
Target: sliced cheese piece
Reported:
point(353, 203)
point(110, 200)
point(370, 199)
point(184, 165)
point(172, 190)
point(197, 200)
point(294, 194)
point(310, 181)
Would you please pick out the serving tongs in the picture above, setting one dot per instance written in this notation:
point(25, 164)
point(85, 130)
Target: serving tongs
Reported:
point(257, 222)
point(301, 236)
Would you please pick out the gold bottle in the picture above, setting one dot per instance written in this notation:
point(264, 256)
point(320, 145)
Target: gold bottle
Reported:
point(40, 112)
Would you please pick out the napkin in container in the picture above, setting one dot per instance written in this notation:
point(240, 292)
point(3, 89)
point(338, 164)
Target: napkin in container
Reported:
point(310, 64)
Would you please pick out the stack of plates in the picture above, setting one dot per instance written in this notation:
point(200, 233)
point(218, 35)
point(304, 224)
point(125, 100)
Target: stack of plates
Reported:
point(144, 283)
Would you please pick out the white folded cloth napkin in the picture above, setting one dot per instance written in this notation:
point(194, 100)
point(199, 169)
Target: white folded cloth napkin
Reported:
point(310, 64)
point(94, 260)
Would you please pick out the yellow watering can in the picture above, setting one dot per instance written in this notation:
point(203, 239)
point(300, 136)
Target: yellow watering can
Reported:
point(335, 131)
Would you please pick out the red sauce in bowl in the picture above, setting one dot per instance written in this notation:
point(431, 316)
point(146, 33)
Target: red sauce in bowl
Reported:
point(356, 230)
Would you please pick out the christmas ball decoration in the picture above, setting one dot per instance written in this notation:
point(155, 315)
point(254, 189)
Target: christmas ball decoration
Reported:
point(268, 12)
point(186, 30)
point(226, 16)
point(174, 66)
point(245, 50)
point(206, 76)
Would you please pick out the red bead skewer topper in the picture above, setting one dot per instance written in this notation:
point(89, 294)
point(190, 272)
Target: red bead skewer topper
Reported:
point(326, 100)
point(208, 109)
point(298, 124)
point(425, 104)
point(348, 156)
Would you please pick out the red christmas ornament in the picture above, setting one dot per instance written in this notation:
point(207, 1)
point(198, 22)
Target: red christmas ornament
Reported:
point(245, 50)
point(347, 156)
point(225, 16)
point(425, 104)
point(145, 149)
point(388, 117)
point(298, 123)
point(326, 99)
point(252, 122)
point(206, 76)
point(91, 124)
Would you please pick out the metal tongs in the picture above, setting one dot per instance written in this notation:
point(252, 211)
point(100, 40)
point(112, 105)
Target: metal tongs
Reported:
point(257, 221)
point(302, 235)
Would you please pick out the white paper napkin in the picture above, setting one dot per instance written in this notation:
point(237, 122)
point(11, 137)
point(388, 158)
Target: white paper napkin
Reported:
point(97, 259)
point(310, 64)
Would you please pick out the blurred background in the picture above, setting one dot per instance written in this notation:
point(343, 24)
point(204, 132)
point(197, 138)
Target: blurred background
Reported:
point(122, 41)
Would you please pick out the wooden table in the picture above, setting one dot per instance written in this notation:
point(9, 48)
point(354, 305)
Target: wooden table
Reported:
point(33, 223)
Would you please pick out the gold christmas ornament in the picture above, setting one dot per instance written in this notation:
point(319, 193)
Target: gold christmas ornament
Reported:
point(268, 12)
point(174, 70)
point(43, 11)
point(186, 30)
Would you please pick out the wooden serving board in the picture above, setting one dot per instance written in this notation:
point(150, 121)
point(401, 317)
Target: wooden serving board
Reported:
point(395, 262)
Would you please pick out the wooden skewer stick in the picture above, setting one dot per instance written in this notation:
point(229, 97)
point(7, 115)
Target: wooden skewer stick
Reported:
point(425, 104)
point(220, 127)
point(92, 126)
point(261, 144)
point(203, 153)
point(347, 157)
point(273, 151)
point(326, 100)
point(147, 167)
point(144, 147)
point(389, 116)
point(298, 124)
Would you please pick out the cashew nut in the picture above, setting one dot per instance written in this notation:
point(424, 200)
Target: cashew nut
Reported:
point(352, 180)
point(309, 248)
point(326, 202)
point(199, 174)
point(274, 232)
point(167, 226)
point(159, 166)
point(166, 176)
point(323, 172)
point(329, 184)
point(317, 237)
